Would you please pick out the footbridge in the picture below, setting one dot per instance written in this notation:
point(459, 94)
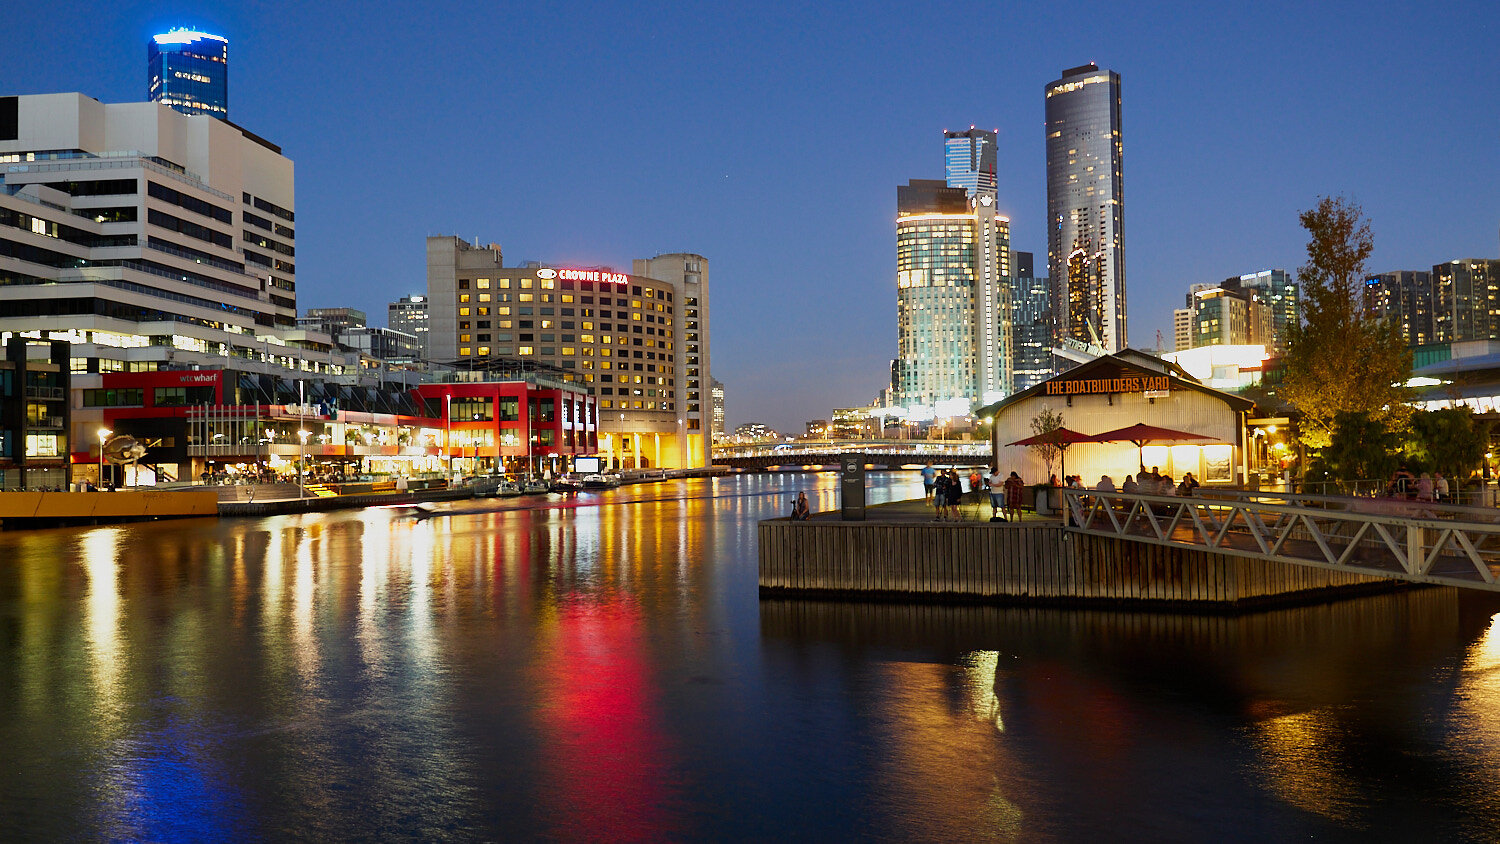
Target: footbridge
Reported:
point(1420, 542)
point(881, 454)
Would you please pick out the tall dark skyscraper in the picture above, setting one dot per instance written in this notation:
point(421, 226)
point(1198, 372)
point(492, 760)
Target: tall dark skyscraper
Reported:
point(971, 156)
point(189, 71)
point(1085, 207)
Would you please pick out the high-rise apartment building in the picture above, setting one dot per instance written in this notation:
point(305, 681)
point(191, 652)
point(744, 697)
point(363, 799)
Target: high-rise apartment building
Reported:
point(1466, 300)
point(409, 315)
point(971, 157)
point(1279, 291)
point(1182, 329)
point(189, 71)
point(640, 341)
point(953, 331)
point(1031, 323)
point(1085, 206)
point(1404, 297)
point(716, 390)
point(1224, 316)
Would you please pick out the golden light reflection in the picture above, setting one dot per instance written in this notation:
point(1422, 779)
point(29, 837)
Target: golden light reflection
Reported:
point(1478, 704)
point(304, 590)
point(980, 677)
point(1300, 764)
point(102, 620)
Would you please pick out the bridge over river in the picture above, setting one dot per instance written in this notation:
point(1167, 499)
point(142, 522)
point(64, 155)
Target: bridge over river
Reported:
point(1421, 542)
point(879, 454)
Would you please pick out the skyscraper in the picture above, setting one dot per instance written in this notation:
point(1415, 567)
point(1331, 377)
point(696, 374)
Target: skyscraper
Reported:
point(189, 71)
point(952, 250)
point(971, 156)
point(409, 314)
point(1031, 324)
point(1085, 210)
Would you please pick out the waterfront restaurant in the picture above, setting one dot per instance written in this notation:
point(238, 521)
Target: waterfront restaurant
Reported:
point(1117, 391)
point(205, 422)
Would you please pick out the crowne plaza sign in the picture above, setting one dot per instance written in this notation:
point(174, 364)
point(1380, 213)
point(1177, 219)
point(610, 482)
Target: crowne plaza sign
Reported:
point(1121, 384)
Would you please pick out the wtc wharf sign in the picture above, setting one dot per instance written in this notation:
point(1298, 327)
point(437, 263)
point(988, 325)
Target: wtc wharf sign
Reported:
point(1123, 384)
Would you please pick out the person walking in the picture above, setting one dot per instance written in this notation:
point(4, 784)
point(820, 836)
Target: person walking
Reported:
point(1013, 489)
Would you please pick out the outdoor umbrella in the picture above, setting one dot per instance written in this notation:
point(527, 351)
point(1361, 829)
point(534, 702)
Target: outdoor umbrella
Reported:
point(1060, 437)
point(1140, 434)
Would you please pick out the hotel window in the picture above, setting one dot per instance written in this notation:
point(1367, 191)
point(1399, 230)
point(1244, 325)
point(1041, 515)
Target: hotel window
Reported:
point(547, 323)
point(484, 284)
point(588, 326)
point(505, 311)
point(504, 284)
point(484, 350)
point(463, 297)
point(465, 351)
point(505, 323)
point(526, 350)
point(484, 311)
point(525, 284)
point(528, 297)
point(547, 284)
point(464, 338)
point(567, 298)
point(484, 297)
point(463, 284)
point(463, 311)
point(567, 350)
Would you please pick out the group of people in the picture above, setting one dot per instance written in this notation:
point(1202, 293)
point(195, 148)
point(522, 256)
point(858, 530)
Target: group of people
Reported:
point(1428, 487)
point(946, 490)
point(1152, 483)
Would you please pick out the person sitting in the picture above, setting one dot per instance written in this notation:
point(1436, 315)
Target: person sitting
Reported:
point(1130, 487)
point(1189, 484)
point(801, 512)
point(1106, 484)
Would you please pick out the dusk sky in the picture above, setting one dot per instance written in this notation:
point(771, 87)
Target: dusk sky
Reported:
point(770, 138)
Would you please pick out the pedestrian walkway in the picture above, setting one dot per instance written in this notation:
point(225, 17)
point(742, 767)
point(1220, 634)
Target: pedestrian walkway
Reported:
point(975, 509)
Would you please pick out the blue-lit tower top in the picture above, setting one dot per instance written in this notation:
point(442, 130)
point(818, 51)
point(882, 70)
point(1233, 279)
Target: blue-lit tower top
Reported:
point(189, 71)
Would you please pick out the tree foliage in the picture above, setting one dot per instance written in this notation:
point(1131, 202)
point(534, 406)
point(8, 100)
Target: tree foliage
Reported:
point(1339, 361)
point(1361, 447)
point(1450, 441)
point(1045, 422)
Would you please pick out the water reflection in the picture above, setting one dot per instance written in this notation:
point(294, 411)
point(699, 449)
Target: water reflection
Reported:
point(601, 667)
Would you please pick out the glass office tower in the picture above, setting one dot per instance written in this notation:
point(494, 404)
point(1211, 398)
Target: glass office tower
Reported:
point(1085, 209)
point(971, 156)
point(189, 71)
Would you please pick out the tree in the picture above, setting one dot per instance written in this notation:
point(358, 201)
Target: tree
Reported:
point(1046, 422)
point(1361, 448)
point(1450, 441)
point(1339, 361)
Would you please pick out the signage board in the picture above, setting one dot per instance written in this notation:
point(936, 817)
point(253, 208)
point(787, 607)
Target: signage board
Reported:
point(852, 487)
point(1126, 383)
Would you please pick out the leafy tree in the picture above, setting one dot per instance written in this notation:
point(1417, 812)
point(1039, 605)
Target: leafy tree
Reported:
point(1361, 447)
point(1450, 441)
point(1339, 361)
point(1046, 422)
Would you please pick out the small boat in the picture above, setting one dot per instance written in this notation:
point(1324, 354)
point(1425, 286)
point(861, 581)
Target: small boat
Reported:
point(535, 486)
point(508, 489)
point(566, 484)
point(600, 481)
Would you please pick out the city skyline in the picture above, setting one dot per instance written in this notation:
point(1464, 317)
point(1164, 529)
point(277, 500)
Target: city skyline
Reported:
point(1220, 163)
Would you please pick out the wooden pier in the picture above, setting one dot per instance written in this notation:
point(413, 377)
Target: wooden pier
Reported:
point(1026, 563)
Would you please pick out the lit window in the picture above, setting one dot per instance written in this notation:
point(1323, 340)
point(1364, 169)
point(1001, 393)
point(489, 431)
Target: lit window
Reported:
point(464, 338)
point(548, 284)
point(484, 297)
point(465, 351)
point(483, 284)
point(463, 311)
point(526, 284)
point(463, 297)
point(527, 297)
point(567, 350)
point(526, 350)
point(484, 350)
point(567, 298)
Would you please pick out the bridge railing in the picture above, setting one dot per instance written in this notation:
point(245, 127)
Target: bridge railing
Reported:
point(1451, 545)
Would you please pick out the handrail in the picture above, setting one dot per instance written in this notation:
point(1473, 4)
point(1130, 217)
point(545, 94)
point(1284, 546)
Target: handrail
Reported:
point(1457, 546)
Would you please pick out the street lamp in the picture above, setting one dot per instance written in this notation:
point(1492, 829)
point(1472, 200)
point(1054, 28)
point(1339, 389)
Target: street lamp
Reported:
point(103, 435)
point(301, 462)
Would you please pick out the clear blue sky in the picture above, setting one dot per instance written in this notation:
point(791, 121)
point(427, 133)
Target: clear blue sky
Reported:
point(770, 138)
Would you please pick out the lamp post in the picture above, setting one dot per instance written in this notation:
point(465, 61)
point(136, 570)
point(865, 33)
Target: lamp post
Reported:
point(103, 435)
point(448, 438)
point(301, 462)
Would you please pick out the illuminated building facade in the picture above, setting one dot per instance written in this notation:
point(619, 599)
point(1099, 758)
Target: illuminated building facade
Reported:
point(1466, 300)
point(149, 240)
point(716, 390)
point(638, 341)
point(1405, 298)
point(1085, 206)
point(1279, 291)
point(189, 72)
point(952, 305)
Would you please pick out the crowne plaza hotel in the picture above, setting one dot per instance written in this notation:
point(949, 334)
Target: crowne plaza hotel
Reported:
point(638, 341)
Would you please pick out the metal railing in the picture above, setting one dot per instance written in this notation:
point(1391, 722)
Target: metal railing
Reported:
point(1393, 538)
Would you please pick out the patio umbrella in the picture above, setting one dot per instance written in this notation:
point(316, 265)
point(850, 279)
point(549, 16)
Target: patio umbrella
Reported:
point(1140, 434)
point(1060, 437)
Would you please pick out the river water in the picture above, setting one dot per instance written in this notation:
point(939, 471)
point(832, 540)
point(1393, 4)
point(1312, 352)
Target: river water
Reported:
point(601, 668)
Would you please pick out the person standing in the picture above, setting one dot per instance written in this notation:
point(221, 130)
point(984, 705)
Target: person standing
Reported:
point(1440, 486)
point(940, 495)
point(997, 494)
point(801, 511)
point(929, 481)
point(955, 495)
point(1013, 489)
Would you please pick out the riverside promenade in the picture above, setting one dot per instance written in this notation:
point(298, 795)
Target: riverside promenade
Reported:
point(900, 553)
